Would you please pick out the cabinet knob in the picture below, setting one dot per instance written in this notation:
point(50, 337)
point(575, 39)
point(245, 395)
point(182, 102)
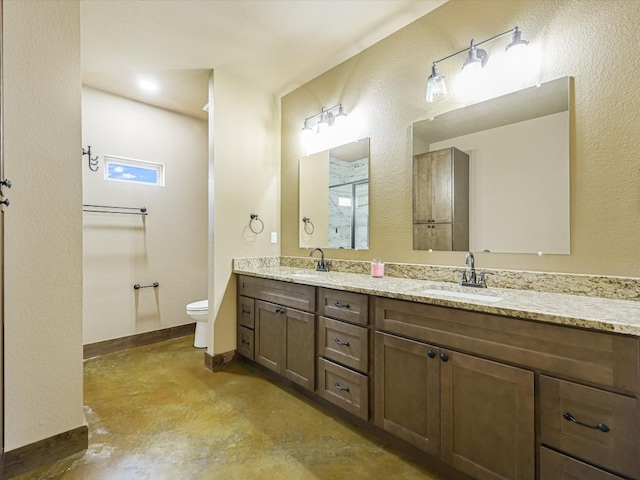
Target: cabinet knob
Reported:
point(431, 354)
point(444, 357)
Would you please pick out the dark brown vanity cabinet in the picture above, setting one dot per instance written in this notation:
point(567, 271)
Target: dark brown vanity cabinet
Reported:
point(473, 404)
point(441, 200)
point(475, 414)
point(284, 334)
point(495, 397)
point(343, 350)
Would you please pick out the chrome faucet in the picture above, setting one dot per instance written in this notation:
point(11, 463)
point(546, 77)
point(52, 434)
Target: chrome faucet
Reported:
point(474, 280)
point(470, 261)
point(323, 265)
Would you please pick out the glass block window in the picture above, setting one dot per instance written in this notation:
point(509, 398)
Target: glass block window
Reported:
point(134, 171)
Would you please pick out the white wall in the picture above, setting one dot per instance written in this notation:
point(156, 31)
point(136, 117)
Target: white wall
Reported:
point(245, 179)
point(43, 234)
point(169, 246)
point(518, 192)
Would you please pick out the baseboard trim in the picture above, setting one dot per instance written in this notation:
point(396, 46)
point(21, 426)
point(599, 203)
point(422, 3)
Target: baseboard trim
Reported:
point(139, 340)
point(45, 451)
point(218, 361)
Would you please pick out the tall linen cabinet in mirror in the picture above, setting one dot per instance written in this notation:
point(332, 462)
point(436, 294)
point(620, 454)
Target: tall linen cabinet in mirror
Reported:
point(441, 200)
point(334, 197)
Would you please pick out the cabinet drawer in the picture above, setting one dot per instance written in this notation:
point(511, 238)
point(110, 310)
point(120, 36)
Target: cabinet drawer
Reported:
point(245, 342)
point(555, 466)
point(615, 449)
point(345, 343)
point(246, 316)
point(294, 295)
point(344, 387)
point(348, 306)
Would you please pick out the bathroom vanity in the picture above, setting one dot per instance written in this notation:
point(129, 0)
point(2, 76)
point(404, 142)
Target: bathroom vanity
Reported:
point(513, 388)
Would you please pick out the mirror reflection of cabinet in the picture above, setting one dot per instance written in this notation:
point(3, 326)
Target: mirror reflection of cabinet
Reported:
point(516, 143)
point(441, 200)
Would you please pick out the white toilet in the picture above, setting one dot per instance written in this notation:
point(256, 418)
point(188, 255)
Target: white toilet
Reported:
point(199, 311)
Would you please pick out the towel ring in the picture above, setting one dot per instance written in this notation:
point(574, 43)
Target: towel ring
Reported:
point(308, 225)
point(254, 217)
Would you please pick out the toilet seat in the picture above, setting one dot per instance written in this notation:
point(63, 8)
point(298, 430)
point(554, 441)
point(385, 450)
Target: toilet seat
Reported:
point(200, 306)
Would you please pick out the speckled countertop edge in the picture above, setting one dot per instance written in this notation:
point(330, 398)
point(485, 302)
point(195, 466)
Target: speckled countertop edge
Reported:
point(595, 313)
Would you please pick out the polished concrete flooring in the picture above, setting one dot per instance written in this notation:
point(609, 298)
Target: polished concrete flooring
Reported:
point(156, 412)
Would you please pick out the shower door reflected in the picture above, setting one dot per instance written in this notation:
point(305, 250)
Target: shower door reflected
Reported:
point(349, 215)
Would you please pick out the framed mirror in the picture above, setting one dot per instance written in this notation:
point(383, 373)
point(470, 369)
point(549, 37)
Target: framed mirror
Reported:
point(334, 197)
point(518, 179)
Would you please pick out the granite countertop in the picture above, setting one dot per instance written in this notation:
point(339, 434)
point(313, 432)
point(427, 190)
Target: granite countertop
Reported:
point(602, 314)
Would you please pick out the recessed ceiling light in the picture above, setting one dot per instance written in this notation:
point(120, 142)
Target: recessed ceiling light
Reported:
point(148, 85)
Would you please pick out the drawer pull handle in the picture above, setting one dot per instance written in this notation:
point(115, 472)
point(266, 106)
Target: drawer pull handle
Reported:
point(339, 387)
point(342, 305)
point(244, 342)
point(246, 312)
point(346, 344)
point(601, 426)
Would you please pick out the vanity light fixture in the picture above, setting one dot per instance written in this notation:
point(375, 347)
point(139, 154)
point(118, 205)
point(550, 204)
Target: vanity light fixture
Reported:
point(325, 119)
point(476, 59)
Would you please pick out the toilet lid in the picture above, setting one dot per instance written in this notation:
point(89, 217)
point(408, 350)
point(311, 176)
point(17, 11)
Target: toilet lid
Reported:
point(199, 306)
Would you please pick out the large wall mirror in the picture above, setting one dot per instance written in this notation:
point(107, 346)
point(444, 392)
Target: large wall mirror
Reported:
point(518, 178)
point(334, 197)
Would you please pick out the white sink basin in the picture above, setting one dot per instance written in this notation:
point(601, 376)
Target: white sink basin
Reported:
point(462, 295)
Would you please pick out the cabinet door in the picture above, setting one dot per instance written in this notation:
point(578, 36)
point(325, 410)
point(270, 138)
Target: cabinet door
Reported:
point(299, 358)
point(422, 188)
point(442, 235)
point(269, 336)
point(435, 236)
point(441, 187)
point(487, 418)
point(407, 392)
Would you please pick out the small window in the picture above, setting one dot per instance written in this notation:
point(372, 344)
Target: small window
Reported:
point(135, 171)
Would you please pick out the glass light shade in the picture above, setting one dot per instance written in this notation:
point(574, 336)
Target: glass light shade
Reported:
point(340, 119)
point(306, 135)
point(476, 59)
point(517, 43)
point(323, 123)
point(436, 86)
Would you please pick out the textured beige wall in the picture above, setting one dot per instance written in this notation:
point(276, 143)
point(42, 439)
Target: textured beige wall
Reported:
point(593, 41)
point(244, 179)
point(43, 234)
point(169, 245)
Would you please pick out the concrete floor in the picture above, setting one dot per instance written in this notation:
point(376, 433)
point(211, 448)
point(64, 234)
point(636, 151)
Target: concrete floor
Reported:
point(156, 413)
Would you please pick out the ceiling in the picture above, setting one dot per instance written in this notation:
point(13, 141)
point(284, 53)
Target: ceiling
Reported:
point(276, 45)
